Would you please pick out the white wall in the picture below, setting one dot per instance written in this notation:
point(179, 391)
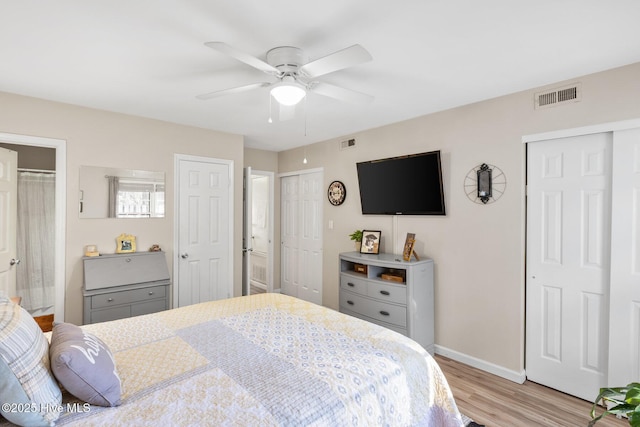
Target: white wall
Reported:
point(100, 138)
point(478, 249)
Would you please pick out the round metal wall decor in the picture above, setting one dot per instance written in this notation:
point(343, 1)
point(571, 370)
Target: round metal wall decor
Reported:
point(336, 193)
point(485, 184)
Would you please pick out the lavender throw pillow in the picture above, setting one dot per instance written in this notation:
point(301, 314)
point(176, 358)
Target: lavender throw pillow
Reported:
point(84, 365)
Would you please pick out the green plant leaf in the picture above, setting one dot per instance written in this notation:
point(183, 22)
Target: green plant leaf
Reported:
point(633, 396)
point(356, 236)
point(626, 401)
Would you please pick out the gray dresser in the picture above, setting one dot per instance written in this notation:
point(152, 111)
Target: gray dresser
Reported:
point(388, 291)
point(124, 285)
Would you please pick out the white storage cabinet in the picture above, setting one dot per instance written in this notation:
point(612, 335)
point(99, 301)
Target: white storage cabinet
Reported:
point(402, 301)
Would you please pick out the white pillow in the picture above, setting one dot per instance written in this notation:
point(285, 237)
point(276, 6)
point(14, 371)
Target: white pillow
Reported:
point(28, 391)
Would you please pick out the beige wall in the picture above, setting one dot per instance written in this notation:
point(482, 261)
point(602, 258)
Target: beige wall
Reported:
point(478, 249)
point(100, 138)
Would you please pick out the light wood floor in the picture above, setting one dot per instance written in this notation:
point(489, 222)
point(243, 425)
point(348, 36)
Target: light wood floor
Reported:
point(497, 402)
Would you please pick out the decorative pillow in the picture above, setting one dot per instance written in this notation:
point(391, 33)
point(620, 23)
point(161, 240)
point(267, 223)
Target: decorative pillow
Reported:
point(84, 365)
point(29, 394)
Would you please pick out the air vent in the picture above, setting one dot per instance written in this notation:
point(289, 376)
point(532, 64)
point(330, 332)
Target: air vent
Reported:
point(347, 144)
point(571, 93)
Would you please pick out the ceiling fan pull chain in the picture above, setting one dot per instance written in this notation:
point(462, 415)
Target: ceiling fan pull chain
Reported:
point(305, 118)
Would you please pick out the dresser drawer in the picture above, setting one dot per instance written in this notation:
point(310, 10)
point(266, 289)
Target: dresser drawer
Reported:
point(377, 310)
point(127, 297)
point(353, 284)
point(384, 292)
point(395, 328)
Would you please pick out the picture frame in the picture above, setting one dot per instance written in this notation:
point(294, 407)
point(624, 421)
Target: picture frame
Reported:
point(409, 245)
point(125, 243)
point(370, 242)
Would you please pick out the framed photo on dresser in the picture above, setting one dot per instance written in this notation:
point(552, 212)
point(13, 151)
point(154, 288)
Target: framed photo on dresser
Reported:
point(370, 242)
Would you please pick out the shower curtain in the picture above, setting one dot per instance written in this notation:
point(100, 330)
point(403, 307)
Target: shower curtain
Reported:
point(35, 239)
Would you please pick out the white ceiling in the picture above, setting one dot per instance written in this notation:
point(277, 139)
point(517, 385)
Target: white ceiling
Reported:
point(148, 58)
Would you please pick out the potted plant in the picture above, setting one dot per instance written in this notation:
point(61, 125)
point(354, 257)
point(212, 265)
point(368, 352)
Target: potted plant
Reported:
point(356, 236)
point(623, 401)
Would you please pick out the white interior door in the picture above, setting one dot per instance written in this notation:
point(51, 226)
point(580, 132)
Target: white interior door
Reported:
point(205, 228)
point(262, 230)
point(8, 215)
point(289, 229)
point(301, 214)
point(624, 335)
point(568, 253)
point(247, 230)
point(310, 242)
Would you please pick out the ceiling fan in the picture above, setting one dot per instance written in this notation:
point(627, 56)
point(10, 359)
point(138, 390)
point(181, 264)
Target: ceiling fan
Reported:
point(295, 77)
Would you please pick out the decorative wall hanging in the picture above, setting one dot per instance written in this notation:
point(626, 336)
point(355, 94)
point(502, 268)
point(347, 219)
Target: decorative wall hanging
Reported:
point(336, 193)
point(485, 184)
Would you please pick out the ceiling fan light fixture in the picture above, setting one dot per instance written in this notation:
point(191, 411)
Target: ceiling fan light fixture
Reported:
point(288, 92)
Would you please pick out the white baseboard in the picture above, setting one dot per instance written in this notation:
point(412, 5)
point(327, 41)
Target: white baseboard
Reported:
point(516, 377)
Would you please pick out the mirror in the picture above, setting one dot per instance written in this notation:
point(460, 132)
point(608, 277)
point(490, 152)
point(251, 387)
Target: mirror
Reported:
point(120, 193)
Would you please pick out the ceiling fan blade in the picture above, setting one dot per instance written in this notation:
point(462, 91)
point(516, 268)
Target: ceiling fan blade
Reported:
point(232, 90)
point(243, 57)
point(341, 93)
point(347, 57)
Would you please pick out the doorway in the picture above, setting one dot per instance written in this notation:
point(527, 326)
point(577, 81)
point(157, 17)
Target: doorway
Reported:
point(16, 140)
point(203, 261)
point(583, 271)
point(568, 252)
point(258, 232)
point(301, 234)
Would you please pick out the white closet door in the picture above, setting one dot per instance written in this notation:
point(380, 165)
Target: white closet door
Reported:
point(310, 243)
point(290, 234)
point(624, 335)
point(301, 255)
point(568, 235)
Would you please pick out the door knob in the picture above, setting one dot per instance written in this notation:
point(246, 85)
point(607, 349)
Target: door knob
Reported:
point(14, 261)
point(184, 255)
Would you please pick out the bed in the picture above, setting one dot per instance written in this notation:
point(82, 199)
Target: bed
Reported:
point(264, 360)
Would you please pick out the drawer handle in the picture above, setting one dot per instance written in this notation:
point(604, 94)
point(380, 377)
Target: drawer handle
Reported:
point(151, 293)
point(384, 313)
point(109, 299)
point(350, 284)
point(385, 293)
point(350, 302)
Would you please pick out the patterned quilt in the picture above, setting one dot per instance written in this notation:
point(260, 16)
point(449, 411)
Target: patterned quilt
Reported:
point(267, 360)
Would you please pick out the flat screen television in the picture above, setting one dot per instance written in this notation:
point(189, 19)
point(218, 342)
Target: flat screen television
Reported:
point(405, 185)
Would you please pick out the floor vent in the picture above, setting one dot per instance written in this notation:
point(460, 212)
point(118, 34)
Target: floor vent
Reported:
point(571, 93)
point(347, 144)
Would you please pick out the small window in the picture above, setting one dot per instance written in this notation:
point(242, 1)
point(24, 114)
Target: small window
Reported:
point(140, 200)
